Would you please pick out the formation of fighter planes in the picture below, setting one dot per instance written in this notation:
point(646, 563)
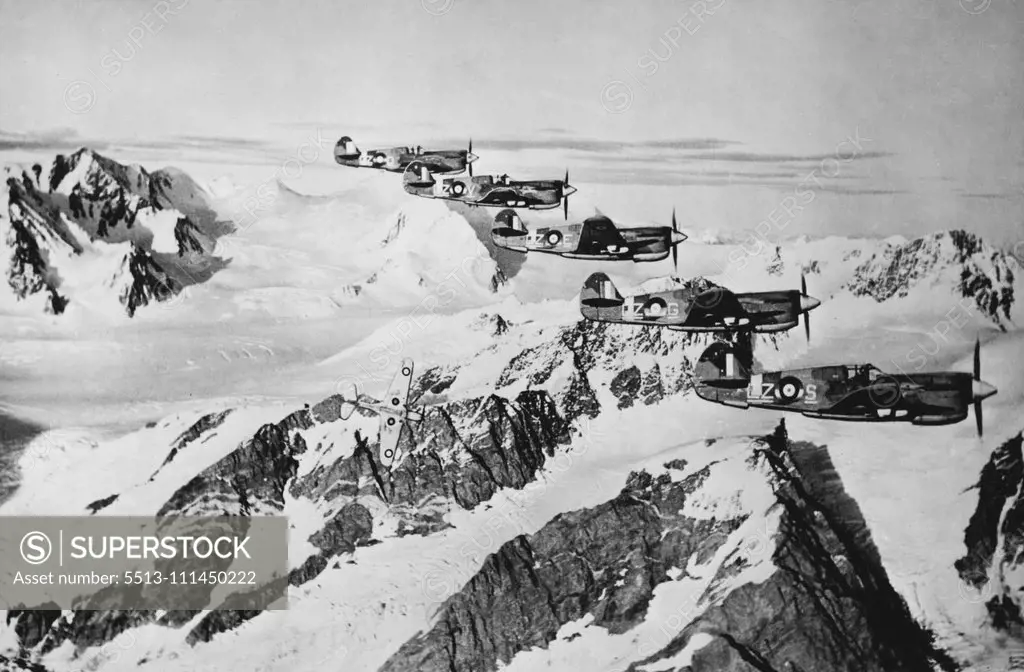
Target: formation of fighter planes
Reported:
point(854, 392)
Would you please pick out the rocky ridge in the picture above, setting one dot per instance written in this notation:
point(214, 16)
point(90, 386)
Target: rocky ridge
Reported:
point(810, 595)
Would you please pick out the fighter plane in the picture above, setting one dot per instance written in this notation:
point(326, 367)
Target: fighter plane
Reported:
point(596, 238)
point(396, 159)
point(490, 190)
point(688, 308)
point(843, 392)
point(395, 411)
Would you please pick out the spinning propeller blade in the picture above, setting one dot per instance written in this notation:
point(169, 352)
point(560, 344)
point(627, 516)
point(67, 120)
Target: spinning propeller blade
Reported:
point(980, 390)
point(565, 196)
point(977, 359)
point(807, 315)
point(675, 246)
point(978, 420)
point(470, 157)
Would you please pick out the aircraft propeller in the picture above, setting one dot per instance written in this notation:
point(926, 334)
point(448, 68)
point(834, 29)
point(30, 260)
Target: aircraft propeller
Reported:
point(807, 304)
point(566, 190)
point(675, 248)
point(470, 158)
point(980, 390)
point(977, 377)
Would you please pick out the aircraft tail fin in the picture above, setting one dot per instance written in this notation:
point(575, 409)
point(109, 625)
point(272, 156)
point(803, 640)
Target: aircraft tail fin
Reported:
point(600, 292)
point(508, 224)
point(346, 149)
point(723, 366)
point(417, 175)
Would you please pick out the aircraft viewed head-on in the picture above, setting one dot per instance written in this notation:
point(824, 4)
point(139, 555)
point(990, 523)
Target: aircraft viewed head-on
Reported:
point(395, 411)
point(488, 190)
point(856, 392)
point(396, 159)
point(697, 308)
point(596, 238)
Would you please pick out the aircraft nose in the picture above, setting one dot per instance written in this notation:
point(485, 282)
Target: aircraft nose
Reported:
point(808, 303)
point(568, 189)
point(981, 390)
point(678, 237)
point(471, 157)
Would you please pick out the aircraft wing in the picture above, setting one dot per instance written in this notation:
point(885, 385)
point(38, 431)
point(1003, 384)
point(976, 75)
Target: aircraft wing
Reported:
point(398, 392)
point(600, 235)
point(391, 423)
point(878, 399)
point(390, 433)
point(715, 306)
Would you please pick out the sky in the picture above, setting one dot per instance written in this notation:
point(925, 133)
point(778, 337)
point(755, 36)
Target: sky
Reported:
point(922, 100)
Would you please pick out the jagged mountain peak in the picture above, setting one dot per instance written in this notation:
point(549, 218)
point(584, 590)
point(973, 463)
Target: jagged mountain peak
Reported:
point(190, 238)
point(723, 561)
point(67, 223)
point(957, 260)
point(139, 280)
point(97, 174)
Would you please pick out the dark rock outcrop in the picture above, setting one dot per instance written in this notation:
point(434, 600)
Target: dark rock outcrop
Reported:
point(102, 204)
point(251, 480)
point(591, 354)
point(205, 424)
point(519, 436)
point(142, 280)
point(826, 605)
point(986, 275)
point(994, 537)
point(466, 452)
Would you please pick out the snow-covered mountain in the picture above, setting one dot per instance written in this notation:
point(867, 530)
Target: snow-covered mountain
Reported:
point(954, 259)
point(92, 232)
point(88, 231)
point(567, 502)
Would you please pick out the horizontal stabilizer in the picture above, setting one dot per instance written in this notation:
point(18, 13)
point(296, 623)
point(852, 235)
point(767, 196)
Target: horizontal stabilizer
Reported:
point(724, 366)
point(417, 174)
point(346, 149)
point(599, 292)
point(508, 224)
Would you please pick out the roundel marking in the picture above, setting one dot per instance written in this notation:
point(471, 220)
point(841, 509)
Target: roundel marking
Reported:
point(655, 307)
point(789, 388)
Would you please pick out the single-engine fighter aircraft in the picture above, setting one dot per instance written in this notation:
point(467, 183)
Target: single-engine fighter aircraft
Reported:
point(490, 190)
point(844, 392)
point(596, 238)
point(395, 411)
point(690, 309)
point(396, 159)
